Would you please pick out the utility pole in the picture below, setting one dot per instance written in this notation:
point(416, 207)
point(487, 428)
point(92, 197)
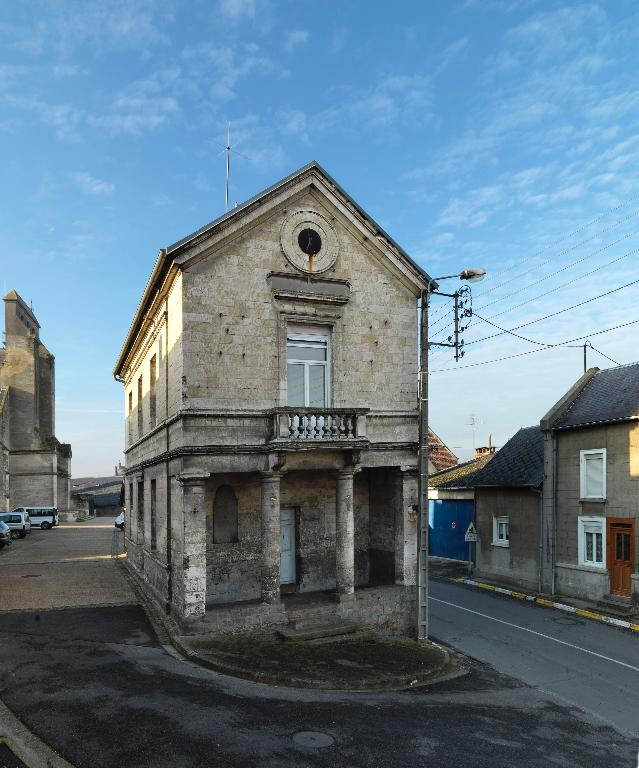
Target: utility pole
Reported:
point(422, 490)
point(421, 588)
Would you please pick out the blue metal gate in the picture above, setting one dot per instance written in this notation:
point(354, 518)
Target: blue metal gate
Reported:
point(448, 520)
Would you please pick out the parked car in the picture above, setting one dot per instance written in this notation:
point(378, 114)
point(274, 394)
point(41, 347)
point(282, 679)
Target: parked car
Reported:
point(18, 521)
point(119, 521)
point(5, 535)
point(45, 517)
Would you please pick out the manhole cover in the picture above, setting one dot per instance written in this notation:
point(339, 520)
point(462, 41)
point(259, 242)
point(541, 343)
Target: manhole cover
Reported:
point(8, 759)
point(312, 739)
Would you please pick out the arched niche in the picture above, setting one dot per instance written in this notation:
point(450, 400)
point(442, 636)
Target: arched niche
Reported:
point(224, 515)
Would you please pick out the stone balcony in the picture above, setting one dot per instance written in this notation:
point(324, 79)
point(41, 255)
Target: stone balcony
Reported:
point(319, 427)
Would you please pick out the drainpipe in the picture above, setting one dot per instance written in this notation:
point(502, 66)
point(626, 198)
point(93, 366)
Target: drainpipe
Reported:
point(553, 528)
point(540, 556)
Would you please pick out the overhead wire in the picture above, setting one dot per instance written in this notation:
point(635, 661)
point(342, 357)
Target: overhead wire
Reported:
point(545, 317)
point(540, 349)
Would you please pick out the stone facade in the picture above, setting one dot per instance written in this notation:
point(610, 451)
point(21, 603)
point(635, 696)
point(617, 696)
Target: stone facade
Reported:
point(215, 453)
point(621, 442)
point(518, 563)
point(34, 465)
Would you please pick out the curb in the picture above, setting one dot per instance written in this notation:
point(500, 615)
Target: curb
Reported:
point(172, 643)
point(583, 612)
point(25, 745)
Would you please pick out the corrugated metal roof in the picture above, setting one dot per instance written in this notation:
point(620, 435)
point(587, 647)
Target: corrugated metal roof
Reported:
point(610, 395)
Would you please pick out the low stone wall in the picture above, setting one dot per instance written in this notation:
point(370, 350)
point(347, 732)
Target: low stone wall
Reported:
point(250, 617)
point(581, 581)
point(388, 610)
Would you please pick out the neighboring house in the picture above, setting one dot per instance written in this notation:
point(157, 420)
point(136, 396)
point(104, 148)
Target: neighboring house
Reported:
point(591, 498)
point(439, 454)
point(451, 507)
point(508, 496)
point(99, 496)
point(34, 465)
point(270, 385)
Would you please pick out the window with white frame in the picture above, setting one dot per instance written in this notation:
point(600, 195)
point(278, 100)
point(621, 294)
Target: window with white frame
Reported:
point(501, 531)
point(592, 473)
point(308, 373)
point(592, 541)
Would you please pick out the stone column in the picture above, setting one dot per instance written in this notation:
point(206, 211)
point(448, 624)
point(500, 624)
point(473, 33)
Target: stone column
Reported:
point(345, 533)
point(270, 573)
point(191, 589)
point(405, 504)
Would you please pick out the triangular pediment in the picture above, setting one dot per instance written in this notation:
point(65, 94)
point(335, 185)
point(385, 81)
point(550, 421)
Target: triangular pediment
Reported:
point(330, 197)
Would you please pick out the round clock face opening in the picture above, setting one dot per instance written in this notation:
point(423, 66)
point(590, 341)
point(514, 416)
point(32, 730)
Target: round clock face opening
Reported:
point(310, 242)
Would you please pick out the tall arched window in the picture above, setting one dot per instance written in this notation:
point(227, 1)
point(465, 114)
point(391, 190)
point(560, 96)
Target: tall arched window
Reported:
point(224, 515)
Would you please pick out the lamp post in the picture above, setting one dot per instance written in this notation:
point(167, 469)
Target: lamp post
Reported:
point(471, 275)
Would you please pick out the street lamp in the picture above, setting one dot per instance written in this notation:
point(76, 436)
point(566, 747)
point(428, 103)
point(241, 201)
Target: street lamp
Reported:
point(471, 275)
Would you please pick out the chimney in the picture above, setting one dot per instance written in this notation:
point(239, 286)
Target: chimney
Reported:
point(486, 450)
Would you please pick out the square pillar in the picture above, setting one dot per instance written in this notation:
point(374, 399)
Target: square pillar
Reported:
point(405, 504)
point(190, 591)
point(344, 533)
point(270, 571)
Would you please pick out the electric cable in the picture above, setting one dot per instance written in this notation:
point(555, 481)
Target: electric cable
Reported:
point(532, 351)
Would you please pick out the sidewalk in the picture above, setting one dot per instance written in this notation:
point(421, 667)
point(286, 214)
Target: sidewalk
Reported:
point(442, 569)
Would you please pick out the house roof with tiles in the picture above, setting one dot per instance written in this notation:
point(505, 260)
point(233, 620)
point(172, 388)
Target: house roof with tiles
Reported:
point(460, 476)
point(606, 396)
point(520, 463)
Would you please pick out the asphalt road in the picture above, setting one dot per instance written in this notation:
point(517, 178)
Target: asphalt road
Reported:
point(590, 665)
point(95, 683)
point(69, 565)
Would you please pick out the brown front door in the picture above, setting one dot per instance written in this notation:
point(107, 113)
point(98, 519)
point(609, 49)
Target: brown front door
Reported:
point(621, 555)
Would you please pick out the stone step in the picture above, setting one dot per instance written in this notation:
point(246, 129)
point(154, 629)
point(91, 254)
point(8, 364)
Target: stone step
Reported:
point(335, 629)
point(359, 635)
point(618, 605)
point(312, 617)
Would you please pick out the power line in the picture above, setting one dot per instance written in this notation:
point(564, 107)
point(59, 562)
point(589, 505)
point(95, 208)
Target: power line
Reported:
point(532, 351)
point(545, 317)
point(603, 353)
point(563, 285)
point(552, 245)
point(561, 253)
point(565, 267)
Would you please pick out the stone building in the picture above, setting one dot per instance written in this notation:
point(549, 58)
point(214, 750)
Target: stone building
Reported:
point(270, 385)
point(34, 465)
point(591, 493)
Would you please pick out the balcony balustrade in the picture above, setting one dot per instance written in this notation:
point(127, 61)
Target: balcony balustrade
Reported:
point(319, 425)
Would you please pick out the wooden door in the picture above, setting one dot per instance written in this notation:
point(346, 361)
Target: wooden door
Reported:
point(621, 555)
point(287, 546)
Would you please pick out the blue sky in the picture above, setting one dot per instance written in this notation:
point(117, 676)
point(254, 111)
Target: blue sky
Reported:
point(494, 134)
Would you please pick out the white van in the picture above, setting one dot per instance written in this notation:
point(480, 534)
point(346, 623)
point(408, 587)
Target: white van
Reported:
point(18, 521)
point(45, 517)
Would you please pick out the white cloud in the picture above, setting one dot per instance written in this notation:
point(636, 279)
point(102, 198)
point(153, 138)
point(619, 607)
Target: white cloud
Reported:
point(92, 185)
point(144, 105)
point(237, 9)
point(292, 122)
point(294, 38)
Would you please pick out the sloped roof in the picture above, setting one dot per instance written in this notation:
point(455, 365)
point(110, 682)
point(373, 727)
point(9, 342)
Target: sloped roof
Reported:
point(461, 475)
point(520, 463)
point(167, 255)
point(610, 395)
point(439, 453)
